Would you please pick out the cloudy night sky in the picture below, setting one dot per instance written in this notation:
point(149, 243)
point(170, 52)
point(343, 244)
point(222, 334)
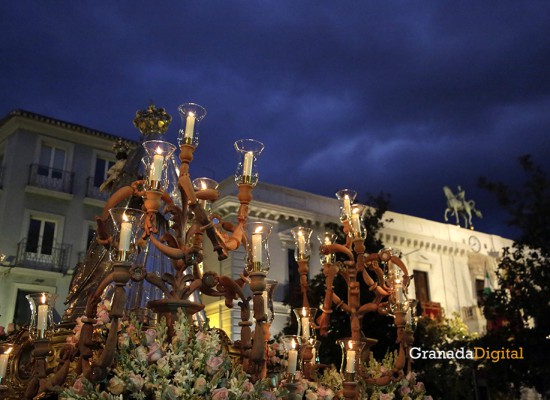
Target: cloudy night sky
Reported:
point(377, 96)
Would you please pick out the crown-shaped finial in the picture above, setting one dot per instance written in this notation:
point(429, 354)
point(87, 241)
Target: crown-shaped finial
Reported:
point(153, 120)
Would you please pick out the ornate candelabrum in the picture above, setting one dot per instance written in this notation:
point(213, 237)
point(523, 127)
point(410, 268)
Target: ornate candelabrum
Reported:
point(389, 289)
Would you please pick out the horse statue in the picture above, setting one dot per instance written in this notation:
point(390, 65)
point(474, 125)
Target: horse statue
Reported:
point(458, 206)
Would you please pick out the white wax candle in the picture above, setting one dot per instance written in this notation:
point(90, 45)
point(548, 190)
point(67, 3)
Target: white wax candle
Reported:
point(305, 327)
point(3, 364)
point(125, 236)
point(292, 361)
point(156, 169)
point(257, 247)
point(247, 164)
point(347, 205)
point(356, 223)
point(301, 246)
point(189, 125)
point(350, 361)
point(42, 319)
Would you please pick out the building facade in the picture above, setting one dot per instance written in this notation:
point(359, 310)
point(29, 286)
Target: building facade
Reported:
point(51, 171)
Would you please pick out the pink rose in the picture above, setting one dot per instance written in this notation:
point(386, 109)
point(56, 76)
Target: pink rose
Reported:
point(248, 386)
point(213, 364)
point(150, 336)
point(103, 317)
point(201, 336)
point(220, 394)
point(155, 352)
point(200, 385)
point(386, 396)
point(136, 381)
point(78, 386)
point(404, 390)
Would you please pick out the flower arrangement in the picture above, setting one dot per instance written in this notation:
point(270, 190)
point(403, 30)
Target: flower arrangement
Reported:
point(193, 365)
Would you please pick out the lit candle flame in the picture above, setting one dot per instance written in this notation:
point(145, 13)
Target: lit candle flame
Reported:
point(191, 114)
point(304, 314)
point(350, 345)
point(125, 218)
point(203, 185)
point(258, 229)
point(158, 150)
point(293, 344)
point(43, 298)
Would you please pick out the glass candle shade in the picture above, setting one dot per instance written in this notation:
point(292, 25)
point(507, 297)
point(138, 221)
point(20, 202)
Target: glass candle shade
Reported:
point(42, 323)
point(292, 346)
point(4, 361)
point(324, 240)
point(306, 321)
point(410, 316)
point(357, 227)
point(248, 151)
point(351, 358)
point(302, 245)
point(126, 222)
point(191, 115)
point(346, 197)
point(270, 285)
point(310, 350)
point(206, 190)
point(158, 154)
point(257, 234)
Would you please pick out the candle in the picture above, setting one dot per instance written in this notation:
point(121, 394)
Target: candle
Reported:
point(247, 164)
point(4, 362)
point(42, 318)
point(257, 245)
point(347, 205)
point(125, 234)
point(356, 223)
point(292, 358)
point(189, 126)
point(156, 169)
point(301, 245)
point(305, 323)
point(350, 361)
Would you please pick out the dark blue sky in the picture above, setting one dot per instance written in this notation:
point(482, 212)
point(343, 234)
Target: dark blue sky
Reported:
point(393, 96)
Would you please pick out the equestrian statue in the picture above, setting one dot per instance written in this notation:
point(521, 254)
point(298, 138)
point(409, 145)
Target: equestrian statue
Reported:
point(457, 205)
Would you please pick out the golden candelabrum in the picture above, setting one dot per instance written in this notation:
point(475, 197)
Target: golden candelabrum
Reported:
point(175, 217)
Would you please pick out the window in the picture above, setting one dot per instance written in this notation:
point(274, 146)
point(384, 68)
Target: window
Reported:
point(480, 286)
point(102, 165)
point(421, 286)
point(51, 161)
point(294, 294)
point(41, 236)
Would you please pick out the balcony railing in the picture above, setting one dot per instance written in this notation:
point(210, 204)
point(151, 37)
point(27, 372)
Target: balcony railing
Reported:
point(92, 190)
point(51, 258)
point(51, 178)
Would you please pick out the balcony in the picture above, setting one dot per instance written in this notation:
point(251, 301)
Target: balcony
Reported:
point(44, 177)
point(92, 190)
point(46, 258)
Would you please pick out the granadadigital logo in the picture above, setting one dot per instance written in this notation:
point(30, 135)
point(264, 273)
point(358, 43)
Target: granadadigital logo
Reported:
point(477, 353)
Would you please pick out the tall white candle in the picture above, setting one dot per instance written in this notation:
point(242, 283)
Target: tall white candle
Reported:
point(347, 205)
point(156, 169)
point(305, 327)
point(356, 223)
point(189, 125)
point(301, 245)
point(257, 247)
point(4, 363)
point(292, 359)
point(125, 235)
point(42, 319)
point(350, 361)
point(247, 163)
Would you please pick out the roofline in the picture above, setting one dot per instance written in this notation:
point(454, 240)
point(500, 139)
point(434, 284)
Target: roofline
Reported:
point(63, 124)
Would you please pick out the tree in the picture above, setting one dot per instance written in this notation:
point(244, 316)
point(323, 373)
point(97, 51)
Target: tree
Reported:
point(521, 304)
